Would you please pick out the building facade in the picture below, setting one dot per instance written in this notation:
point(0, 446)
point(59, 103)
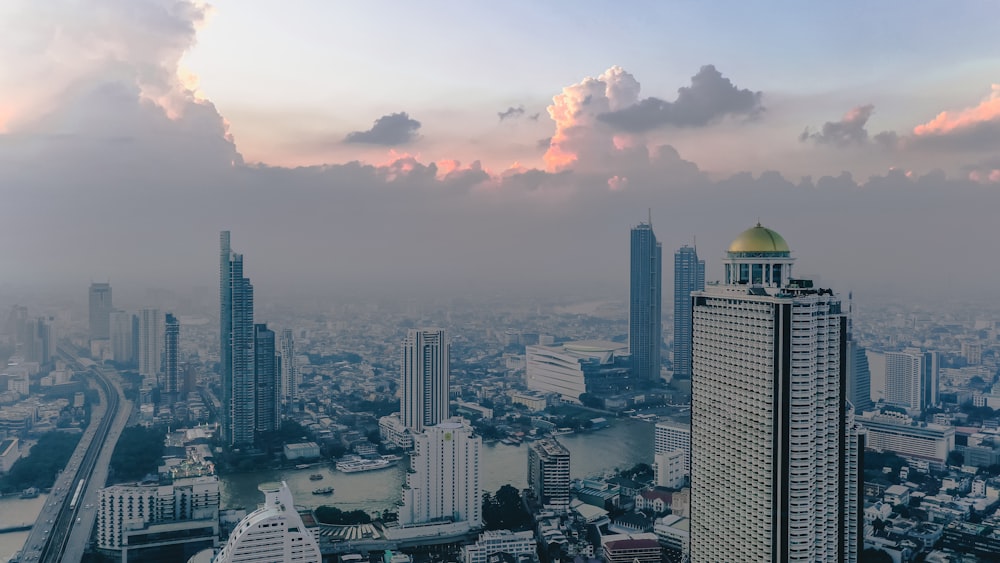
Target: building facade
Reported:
point(689, 276)
point(911, 379)
point(859, 377)
point(548, 473)
point(898, 433)
point(236, 354)
point(100, 311)
point(443, 483)
point(273, 532)
point(645, 303)
point(669, 436)
point(171, 354)
point(151, 329)
point(267, 415)
point(425, 378)
point(770, 429)
point(499, 541)
point(121, 337)
point(591, 366)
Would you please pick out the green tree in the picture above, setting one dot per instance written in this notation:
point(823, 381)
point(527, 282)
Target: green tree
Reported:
point(337, 517)
point(505, 510)
point(137, 453)
point(872, 555)
point(48, 456)
point(956, 457)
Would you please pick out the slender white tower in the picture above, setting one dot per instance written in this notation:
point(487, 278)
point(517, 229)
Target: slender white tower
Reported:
point(425, 378)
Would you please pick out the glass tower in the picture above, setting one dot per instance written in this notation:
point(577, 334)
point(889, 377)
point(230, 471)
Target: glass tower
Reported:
point(268, 412)
point(171, 351)
point(645, 303)
point(236, 354)
point(689, 275)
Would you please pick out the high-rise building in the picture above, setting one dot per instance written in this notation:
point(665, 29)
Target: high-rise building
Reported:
point(689, 276)
point(443, 483)
point(669, 436)
point(645, 303)
point(151, 329)
point(236, 354)
point(171, 355)
point(121, 337)
point(548, 473)
point(911, 379)
point(100, 311)
point(859, 377)
point(289, 373)
point(268, 415)
point(773, 461)
point(425, 378)
point(273, 532)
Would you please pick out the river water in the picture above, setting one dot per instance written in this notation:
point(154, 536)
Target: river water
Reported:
point(621, 446)
point(13, 512)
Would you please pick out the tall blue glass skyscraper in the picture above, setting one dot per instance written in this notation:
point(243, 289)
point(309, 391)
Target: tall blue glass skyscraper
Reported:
point(268, 415)
point(645, 303)
point(689, 275)
point(236, 350)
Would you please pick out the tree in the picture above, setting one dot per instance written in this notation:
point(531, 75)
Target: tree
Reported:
point(505, 511)
point(872, 555)
point(337, 517)
point(956, 457)
point(591, 400)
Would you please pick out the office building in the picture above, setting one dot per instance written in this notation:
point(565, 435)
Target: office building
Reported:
point(425, 378)
point(273, 532)
point(171, 355)
point(898, 433)
point(236, 354)
point(548, 473)
point(689, 276)
point(121, 338)
point(911, 379)
point(645, 303)
point(859, 377)
point(153, 522)
point(268, 413)
point(771, 433)
point(443, 484)
point(571, 369)
point(100, 311)
point(289, 373)
point(151, 329)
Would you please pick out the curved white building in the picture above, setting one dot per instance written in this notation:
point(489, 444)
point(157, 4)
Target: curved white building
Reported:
point(564, 369)
point(273, 532)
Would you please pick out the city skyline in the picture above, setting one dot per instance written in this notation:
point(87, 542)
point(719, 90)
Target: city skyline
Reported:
point(892, 172)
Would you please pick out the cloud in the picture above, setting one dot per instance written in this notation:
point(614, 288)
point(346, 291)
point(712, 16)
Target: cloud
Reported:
point(388, 130)
point(710, 97)
point(974, 128)
point(850, 130)
point(511, 112)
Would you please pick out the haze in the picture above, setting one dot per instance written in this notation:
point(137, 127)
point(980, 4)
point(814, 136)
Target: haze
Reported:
point(437, 147)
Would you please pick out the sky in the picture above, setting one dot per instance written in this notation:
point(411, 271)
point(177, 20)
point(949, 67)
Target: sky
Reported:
point(443, 146)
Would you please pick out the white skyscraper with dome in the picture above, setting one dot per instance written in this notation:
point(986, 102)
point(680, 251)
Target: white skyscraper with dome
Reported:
point(774, 447)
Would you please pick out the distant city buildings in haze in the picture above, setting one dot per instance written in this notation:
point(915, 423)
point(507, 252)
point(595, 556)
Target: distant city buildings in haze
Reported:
point(236, 354)
point(171, 355)
point(689, 276)
point(100, 311)
point(425, 378)
point(268, 412)
point(289, 371)
point(121, 338)
point(911, 379)
point(151, 329)
point(645, 334)
point(775, 455)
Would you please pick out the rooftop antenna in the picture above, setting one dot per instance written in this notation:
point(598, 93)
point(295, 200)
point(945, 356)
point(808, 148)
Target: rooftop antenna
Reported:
point(694, 242)
point(650, 209)
point(850, 314)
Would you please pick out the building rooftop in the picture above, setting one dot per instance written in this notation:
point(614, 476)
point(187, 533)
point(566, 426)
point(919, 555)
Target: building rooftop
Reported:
point(759, 239)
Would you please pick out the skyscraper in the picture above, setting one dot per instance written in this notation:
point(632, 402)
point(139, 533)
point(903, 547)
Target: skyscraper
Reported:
point(151, 330)
point(859, 377)
point(289, 373)
point(171, 355)
point(911, 379)
point(689, 276)
point(425, 378)
point(100, 311)
point(268, 415)
point(548, 473)
point(774, 460)
point(236, 354)
point(121, 337)
point(645, 303)
point(444, 478)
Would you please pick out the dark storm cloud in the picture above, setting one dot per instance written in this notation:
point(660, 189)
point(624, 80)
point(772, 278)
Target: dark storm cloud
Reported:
point(850, 130)
point(709, 98)
point(388, 130)
point(511, 113)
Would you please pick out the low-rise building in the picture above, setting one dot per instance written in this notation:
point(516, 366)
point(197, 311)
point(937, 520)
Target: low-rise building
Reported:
point(631, 548)
point(10, 452)
point(496, 541)
point(898, 433)
point(392, 431)
point(301, 451)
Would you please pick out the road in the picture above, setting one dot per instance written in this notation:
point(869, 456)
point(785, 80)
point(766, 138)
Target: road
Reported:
point(60, 533)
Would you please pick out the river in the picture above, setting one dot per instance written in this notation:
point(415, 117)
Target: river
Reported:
point(622, 445)
point(15, 511)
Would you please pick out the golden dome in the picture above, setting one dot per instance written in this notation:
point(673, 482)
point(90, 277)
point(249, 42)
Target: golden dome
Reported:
point(759, 239)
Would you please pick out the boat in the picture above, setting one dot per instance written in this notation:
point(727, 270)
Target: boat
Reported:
point(323, 491)
point(358, 465)
point(30, 492)
point(392, 457)
point(316, 477)
point(302, 466)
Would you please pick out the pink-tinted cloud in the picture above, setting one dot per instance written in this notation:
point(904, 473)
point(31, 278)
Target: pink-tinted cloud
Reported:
point(948, 122)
